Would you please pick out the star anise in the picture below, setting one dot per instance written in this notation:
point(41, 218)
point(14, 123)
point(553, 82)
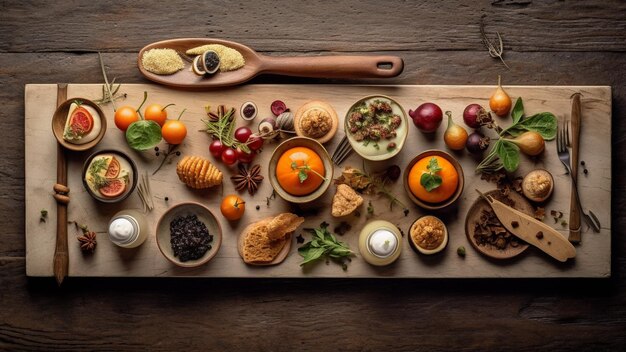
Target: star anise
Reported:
point(248, 178)
point(87, 241)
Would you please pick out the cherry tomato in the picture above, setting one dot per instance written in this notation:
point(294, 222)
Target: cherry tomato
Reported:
point(216, 148)
point(156, 113)
point(244, 157)
point(233, 207)
point(255, 142)
point(174, 131)
point(124, 116)
point(242, 134)
point(229, 156)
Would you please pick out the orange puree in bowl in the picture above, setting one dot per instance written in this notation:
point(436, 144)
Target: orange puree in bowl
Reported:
point(448, 174)
point(306, 160)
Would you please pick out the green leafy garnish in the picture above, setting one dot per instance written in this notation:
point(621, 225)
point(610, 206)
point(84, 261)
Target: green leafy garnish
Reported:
point(324, 244)
point(431, 180)
point(505, 154)
point(303, 174)
point(143, 135)
point(96, 167)
point(509, 155)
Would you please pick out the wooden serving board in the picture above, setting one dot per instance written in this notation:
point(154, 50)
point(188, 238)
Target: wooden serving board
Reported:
point(593, 254)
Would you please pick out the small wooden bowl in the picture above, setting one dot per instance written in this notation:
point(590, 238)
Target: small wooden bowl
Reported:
point(58, 125)
point(163, 235)
point(447, 202)
point(297, 120)
point(420, 250)
point(300, 142)
point(473, 215)
point(133, 180)
point(399, 140)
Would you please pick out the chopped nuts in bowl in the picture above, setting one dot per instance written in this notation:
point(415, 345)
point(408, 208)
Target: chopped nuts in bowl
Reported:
point(428, 235)
point(317, 120)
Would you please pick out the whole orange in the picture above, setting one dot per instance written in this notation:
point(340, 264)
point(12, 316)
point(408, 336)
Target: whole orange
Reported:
point(449, 180)
point(297, 161)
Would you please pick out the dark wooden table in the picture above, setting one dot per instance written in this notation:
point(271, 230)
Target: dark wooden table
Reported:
point(546, 42)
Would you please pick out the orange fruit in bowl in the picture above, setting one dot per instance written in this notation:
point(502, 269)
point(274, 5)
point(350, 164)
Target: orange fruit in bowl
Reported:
point(449, 180)
point(300, 171)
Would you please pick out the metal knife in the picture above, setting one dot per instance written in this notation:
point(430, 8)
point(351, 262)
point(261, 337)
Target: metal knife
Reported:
point(532, 230)
point(574, 212)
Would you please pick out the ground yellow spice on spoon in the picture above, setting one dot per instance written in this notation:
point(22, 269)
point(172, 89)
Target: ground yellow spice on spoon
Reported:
point(162, 61)
point(230, 59)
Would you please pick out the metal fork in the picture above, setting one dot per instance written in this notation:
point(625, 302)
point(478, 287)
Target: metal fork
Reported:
point(342, 151)
point(562, 137)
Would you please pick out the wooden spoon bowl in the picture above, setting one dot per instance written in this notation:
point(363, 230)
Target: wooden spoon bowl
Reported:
point(58, 125)
point(316, 66)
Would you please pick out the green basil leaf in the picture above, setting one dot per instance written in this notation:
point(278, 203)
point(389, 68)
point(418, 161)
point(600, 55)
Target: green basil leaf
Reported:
point(312, 254)
point(302, 175)
point(543, 123)
point(508, 153)
point(430, 181)
point(518, 111)
point(143, 135)
point(302, 250)
point(433, 165)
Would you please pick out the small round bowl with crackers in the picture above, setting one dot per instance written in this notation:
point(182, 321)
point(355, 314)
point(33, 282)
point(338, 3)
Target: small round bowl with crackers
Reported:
point(205, 216)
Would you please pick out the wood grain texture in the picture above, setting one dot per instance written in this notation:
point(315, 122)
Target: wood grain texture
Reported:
point(269, 26)
point(549, 42)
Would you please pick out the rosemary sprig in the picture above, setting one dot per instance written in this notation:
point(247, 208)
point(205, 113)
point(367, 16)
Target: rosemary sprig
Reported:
point(106, 81)
point(222, 126)
point(496, 49)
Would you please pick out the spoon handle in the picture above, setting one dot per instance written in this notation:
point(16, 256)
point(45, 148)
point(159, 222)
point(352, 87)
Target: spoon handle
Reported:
point(333, 66)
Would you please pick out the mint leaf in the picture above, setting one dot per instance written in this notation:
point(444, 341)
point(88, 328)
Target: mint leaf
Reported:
point(430, 181)
point(433, 165)
point(302, 175)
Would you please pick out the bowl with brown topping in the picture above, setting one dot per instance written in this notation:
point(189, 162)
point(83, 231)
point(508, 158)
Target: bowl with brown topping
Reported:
point(485, 232)
point(428, 235)
point(316, 120)
point(376, 127)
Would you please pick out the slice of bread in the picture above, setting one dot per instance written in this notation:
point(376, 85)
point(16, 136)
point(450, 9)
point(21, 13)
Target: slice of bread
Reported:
point(257, 247)
point(282, 225)
point(345, 201)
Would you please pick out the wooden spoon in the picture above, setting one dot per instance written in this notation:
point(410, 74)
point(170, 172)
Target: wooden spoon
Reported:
point(256, 64)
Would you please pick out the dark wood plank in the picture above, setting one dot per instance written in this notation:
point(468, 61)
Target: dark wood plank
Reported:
point(165, 315)
point(289, 26)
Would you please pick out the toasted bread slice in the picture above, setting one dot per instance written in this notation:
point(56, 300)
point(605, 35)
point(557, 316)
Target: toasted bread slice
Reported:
point(282, 225)
point(345, 201)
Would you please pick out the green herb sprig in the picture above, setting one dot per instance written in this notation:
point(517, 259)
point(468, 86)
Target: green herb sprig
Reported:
point(431, 180)
point(303, 171)
point(504, 154)
point(324, 244)
point(222, 126)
